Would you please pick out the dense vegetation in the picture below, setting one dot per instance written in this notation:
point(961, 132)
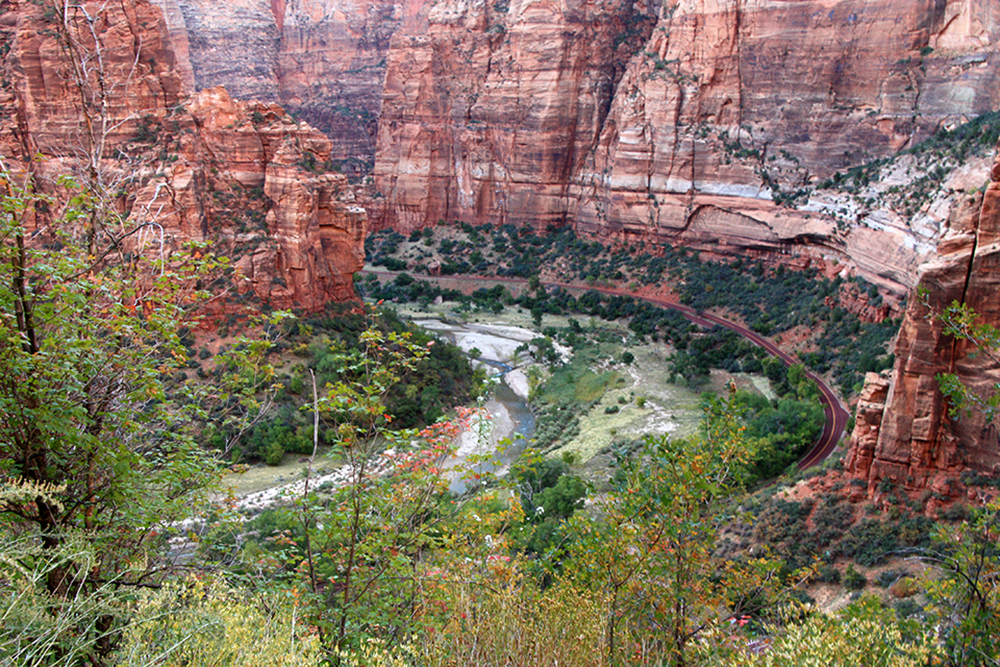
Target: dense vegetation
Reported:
point(312, 346)
point(768, 301)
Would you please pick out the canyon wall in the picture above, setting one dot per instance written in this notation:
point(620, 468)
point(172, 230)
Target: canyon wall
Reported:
point(547, 112)
point(112, 105)
point(685, 122)
point(705, 123)
point(490, 109)
point(904, 436)
point(323, 60)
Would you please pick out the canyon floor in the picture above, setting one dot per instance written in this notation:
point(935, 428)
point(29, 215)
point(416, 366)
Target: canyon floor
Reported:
point(668, 407)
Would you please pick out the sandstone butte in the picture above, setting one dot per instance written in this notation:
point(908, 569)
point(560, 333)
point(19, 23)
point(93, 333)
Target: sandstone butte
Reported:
point(632, 121)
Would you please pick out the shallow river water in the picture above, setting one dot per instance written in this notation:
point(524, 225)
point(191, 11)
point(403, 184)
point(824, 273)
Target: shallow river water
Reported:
point(507, 405)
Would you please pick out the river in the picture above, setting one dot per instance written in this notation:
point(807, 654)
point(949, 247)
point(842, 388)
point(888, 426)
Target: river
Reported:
point(509, 416)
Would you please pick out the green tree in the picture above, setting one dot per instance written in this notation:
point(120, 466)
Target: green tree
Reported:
point(95, 459)
point(650, 554)
point(357, 548)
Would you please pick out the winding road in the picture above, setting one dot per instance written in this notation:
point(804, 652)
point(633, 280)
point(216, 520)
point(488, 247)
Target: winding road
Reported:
point(836, 414)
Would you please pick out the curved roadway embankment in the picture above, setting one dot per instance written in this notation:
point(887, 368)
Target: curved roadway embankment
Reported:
point(836, 414)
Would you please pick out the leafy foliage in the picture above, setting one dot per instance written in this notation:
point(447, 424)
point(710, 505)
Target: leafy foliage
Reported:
point(649, 554)
point(963, 323)
point(89, 333)
point(967, 598)
point(200, 622)
point(865, 634)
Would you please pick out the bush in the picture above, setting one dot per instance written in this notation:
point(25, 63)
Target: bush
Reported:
point(854, 580)
point(828, 575)
point(956, 512)
point(273, 453)
point(904, 587)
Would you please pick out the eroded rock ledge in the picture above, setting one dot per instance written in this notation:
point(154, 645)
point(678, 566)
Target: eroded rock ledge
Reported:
point(904, 437)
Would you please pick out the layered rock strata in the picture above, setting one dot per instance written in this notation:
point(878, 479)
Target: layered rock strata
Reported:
point(490, 109)
point(244, 176)
point(323, 60)
point(520, 117)
point(679, 123)
point(913, 443)
point(124, 74)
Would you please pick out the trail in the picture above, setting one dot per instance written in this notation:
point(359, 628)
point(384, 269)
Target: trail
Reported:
point(835, 411)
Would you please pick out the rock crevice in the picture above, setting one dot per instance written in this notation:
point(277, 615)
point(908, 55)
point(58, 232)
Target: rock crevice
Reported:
point(915, 442)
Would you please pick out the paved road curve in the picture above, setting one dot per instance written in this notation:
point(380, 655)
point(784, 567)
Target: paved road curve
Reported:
point(836, 413)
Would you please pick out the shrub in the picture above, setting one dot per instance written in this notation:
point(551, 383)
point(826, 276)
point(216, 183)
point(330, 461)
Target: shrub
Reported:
point(904, 587)
point(273, 453)
point(887, 578)
point(854, 580)
point(956, 512)
point(828, 575)
point(200, 623)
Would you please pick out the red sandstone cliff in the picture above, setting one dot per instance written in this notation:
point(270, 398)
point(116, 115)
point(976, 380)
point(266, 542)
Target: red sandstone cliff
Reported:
point(247, 177)
point(560, 112)
point(322, 60)
point(903, 435)
point(629, 119)
point(490, 109)
point(244, 176)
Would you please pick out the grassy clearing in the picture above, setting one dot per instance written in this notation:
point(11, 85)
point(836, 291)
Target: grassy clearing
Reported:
point(578, 381)
point(666, 407)
point(261, 477)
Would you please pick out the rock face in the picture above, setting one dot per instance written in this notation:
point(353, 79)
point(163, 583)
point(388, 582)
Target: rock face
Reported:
point(247, 177)
point(632, 120)
point(324, 60)
point(913, 443)
point(41, 96)
point(684, 134)
point(491, 109)
point(244, 176)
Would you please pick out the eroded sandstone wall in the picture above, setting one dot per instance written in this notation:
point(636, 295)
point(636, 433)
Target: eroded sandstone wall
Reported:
point(537, 115)
point(41, 95)
point(323, 60)
point(244, 176)
point(490, 109)
point(904, 436)
point(250, 179)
